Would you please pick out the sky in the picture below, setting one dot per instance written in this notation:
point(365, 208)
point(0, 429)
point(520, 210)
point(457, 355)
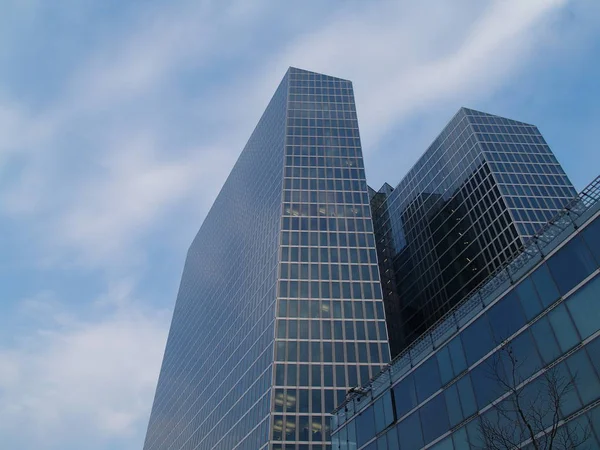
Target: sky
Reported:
point(120, 121)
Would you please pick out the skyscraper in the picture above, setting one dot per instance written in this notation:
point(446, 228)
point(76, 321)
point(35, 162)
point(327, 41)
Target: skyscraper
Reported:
point(280, 308)
point(483, 187)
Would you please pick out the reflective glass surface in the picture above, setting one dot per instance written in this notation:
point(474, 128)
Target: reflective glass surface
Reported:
point(280, 307)
point(483, 187)
point(440, 401)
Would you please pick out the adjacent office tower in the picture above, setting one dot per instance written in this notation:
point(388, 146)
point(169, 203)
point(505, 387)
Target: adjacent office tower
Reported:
point(477, 194)
point(280, 308)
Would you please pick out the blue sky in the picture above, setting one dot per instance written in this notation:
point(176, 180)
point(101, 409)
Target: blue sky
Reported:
point(119, 122)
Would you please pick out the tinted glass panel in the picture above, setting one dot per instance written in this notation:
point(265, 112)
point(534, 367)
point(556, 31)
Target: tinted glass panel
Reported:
point(453, 404)
point(584, 306)
point(591, 235)
point(457, 355)
point(506, 317)
point(409, 433)
point(477, 339)
point(427, 379)
point(434, 418)
point(563, 328)
point(529, 298)
point(365, 426)
point(467, 398)
point(546, 342)
point(571, 264)
point(544, 285)
point(405, 396)
point(586, 380)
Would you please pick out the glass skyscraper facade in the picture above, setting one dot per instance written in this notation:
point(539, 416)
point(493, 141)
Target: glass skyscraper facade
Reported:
point(478, 193)
point(280, 307)
point(544, 308)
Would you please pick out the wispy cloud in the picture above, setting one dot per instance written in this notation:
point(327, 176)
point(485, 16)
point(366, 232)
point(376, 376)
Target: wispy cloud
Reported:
point(75, 378)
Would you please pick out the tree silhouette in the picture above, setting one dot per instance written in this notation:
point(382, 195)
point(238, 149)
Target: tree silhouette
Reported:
point(529, 415)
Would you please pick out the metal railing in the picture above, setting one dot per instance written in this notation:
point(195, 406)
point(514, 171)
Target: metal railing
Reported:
point(534, 250)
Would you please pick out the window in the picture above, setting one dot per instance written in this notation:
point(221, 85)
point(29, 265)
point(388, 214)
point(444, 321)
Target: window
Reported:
point(434, 418)
point(477, 340)
point(529, 298)
point(506, 317)
point(563, 328)
point(586, 383)
point(427, 379)
point(384, 415)
point(571, 264)
point(405, 396)
point(545, 286)
point(365, 427)
point(409, 432)
point(591, 235)
point(584, 307)
point(453, 405)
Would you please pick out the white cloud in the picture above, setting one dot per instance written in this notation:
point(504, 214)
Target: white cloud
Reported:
point(76, 377)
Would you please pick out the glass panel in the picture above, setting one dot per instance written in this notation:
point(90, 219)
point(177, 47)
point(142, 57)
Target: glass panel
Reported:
point(405, 396)
point(591, 235)
point(427, 379)
point(461, 441)
point(457, 355)
point(584, 306)
point(445, 365)
point(485, 382)
point(529, 298)
point(526, 356)
point(467, 398)
point(571, 264)
point(434, 418)
point(593, 349)
point(453, 404)
point(365, 426)
point(563, 328)
point(445, 444)
point(409, 432)
point(584, 375)
point(545, 286)
point(546, 342)
point(506, 317)
point(392, 438)
point(477, 339)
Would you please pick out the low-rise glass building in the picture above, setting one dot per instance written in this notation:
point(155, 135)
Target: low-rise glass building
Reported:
point(535, 323)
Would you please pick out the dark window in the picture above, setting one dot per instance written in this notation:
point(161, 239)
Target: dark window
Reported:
point(593, 349)
point(563, 328)
point(586, 380)
point(477, 339)
point(409, 432)
point(365, 426)
point(584, 306)
point(506, 317)
point(571, 264)
point(485, 382)
point(591, 235)
point(427, 379)
point(545, 285)
point(434, 418)
point(405, 396)
point(384, 415)
point(529, 298)
point(546, 342)
point(453, 404)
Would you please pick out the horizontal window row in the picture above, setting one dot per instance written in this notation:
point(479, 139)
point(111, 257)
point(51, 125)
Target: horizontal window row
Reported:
point(511, 138)
point(323, 140)
point(323, 161)
point(325, 184)
point(326, 210)
point(317, 351)
point(333, 272)
point(325, 308)
point(323, 224)
point(325, 123)
point(325, 239)
point(327, 330)
point(348, 255)
point(301, 428)
point(294, 375)
point(321, 114)
point(321, 132)
point(329, 290)
point(349, 173)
